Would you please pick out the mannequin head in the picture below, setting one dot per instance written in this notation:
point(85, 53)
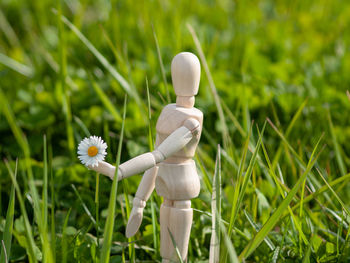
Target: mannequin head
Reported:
point(185, 73)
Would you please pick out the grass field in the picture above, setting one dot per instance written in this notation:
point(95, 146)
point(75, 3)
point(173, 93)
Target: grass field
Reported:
point(273, 159)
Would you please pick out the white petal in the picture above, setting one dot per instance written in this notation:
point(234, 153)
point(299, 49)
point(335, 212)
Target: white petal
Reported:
point(85, 144)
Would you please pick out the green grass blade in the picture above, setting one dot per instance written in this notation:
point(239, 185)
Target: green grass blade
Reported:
point(151, 147)
point(4, 250)
point(287, 133)
point(301, 210)
point(246, 115)
point(31, 247)
point(206, 179)
point(7, 235)
point(64, 242)
point(106, 101)
point(175, 247)
point(225, 133)
point(284, 139)
point(128, 211)
point(214, 253)
point(82, 126)
point(275, 255)
point(279, 186)
point(97, 209)
point(86, 209)
point(17, 132)
point(150, 131)
point(66, 105)
point(125, 85)
point(273, 219)
point(323, 189)
point(339, 234)
point(306, 257)
point(235, 205)
point(336, 145)
point(154, 226)
point(52, 211)
point(110, 43)
point(297, 157)
point(234, 120)
point(22, 141)
point(267, 240)
point(229, 246)
point(108, 232)
point(204, 160)
point(214, 143)
point(8, 31)
point(334, 193)
point(249, 172)
point(161, 65)
point(1, 207)
point(238, 188)
point(16, 66)
point(44, 190)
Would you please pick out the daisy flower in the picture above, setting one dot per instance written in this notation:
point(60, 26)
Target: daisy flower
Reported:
point(92, 150)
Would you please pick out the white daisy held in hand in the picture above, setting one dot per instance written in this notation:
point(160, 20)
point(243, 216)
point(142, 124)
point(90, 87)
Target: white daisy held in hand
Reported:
point(92, 150)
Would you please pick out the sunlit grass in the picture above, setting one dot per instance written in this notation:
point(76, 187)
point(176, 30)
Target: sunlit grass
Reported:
point(268, 193)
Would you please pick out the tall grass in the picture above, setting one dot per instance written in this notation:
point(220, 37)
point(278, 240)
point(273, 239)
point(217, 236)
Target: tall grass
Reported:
point(31, 248)
point(267, 195)
point(39, 216)
point(214, 253)
point(64, 90)
point(109, 227)
point(6, 239)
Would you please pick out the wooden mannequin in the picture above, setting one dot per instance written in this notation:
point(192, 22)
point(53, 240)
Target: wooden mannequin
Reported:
point(170, 167)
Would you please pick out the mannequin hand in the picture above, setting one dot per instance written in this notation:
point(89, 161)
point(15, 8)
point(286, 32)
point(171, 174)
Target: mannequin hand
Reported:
point(135, 218)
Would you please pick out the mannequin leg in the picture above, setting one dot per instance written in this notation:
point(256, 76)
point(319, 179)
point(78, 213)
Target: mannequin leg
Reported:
point(166, 247)
point(179, 223)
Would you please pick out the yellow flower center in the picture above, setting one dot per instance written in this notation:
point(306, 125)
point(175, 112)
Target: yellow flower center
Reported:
point(92, 151)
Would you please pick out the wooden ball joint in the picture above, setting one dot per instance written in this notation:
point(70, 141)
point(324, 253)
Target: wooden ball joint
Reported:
point(170, 167)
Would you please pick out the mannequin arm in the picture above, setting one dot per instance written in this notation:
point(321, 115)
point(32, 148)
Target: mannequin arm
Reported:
point(172, 144)
point(143, 193)
point(104, 168)
point(169, 146)
point(147, 184)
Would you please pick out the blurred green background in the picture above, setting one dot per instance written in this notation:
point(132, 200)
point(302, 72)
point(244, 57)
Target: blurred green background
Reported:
point(266, 59)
